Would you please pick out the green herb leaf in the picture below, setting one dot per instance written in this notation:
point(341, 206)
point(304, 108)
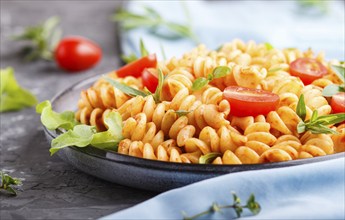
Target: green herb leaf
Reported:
point(268, 46)
point(126, 89)
point(13, 96)
point(109, 139)
point(130, 58)
point(314, 116)
point(53, 120)
point(301, 108)
point(301, 127)
point(7, 183)
point(339, 71)
point(274, 70)
point(199, 83)
point(252, 205)
point(331, 119)
point(157, 95)
point(332, 89)
point(208, 158)
point(163, 52)
point(182, 112)
point(143, 50)
point(80, 136)
point(221, 71)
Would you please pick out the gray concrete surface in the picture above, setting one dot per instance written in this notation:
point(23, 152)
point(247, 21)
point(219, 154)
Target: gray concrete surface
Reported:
point(51, 188)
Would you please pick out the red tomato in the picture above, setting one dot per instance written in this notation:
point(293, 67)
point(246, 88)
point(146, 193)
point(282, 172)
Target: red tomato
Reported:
point(135, 68)
point(307, 69)
point(77, 53)
point(150, 79)
point(338, 102)
point(250, 102)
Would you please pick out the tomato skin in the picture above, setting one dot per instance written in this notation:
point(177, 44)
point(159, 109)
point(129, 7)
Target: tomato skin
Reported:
point(338, 102)
point(135, 68)
point(307, 69)
point(77, 53)
point(250, 102)
point(150, 79)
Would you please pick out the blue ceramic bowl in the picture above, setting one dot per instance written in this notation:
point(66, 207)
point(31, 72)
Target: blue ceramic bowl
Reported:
point(143, 173)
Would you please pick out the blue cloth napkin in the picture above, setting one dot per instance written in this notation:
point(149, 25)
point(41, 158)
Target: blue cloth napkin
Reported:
point(310, 191)
point(281, 23)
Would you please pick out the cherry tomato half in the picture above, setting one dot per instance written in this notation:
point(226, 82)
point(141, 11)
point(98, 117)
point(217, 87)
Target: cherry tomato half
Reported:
point(150, 79)
point(338, 102)
point(135, 68)
point(250, 102)
point(77, 53)
point(307, 69)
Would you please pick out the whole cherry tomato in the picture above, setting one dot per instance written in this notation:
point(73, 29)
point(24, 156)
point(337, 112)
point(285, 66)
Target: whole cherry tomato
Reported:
point(250, 102)
point(77, 53)
point(307, 69)
point(136, 67)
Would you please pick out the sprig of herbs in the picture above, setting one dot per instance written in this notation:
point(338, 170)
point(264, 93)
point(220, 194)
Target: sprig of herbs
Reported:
point(333, 89)
point(154, 22)
point(218, 72)
point(43, 38)
point(316, 124)
point(8, 183)
point(253, 206)
point(135, 92)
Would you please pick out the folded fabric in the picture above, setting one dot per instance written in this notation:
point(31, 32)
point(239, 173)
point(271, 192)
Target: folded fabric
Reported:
point(281, 23)
point(310, 191)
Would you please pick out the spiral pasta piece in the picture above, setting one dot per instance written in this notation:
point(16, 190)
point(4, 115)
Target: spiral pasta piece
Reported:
point(94, 117)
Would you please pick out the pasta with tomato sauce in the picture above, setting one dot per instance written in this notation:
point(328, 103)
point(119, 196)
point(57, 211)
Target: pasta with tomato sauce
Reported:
point(236, 105)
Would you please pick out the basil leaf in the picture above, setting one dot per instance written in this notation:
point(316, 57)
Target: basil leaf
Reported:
point(221, 71)
point(208, 158)
point(157, 94)
point(268, 46)
point(53, 120)
point(13, 96)
point(331, 90)
point(301, 108)
point(339, 71)
point(199, 83)
point(126, 89)
point(182, 112)
point(80, 136)
point(109, 139)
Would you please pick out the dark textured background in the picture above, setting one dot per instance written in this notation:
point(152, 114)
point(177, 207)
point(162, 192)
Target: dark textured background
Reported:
point(51, 188)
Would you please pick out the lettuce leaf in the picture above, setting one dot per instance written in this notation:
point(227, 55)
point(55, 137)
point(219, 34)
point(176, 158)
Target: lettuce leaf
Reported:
point(53, 120)
point(13, 96)
point(80, 136)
